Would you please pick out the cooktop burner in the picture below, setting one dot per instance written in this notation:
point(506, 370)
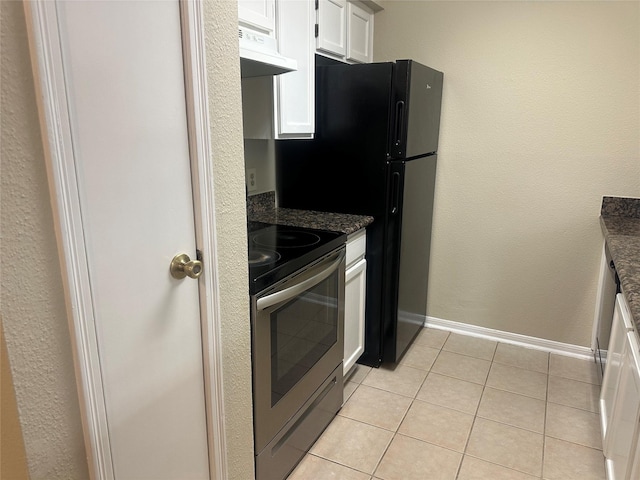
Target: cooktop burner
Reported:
point(276, 251)
point(262, 257)
point(286, 239)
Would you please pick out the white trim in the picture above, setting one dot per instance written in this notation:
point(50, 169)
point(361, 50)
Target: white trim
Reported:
point(46, 58)
point(550, 346)
point(204, 201)
point(44, 41)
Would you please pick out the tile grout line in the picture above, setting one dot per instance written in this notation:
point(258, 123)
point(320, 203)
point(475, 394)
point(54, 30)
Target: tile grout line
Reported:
point(544, 425)
point(429, 371)
point(475, 415)
point(405, 414)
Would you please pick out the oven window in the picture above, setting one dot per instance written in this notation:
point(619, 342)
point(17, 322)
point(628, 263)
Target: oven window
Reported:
point(302, 331)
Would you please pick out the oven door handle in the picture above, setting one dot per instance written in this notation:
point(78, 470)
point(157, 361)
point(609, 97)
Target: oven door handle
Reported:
point(295, 290)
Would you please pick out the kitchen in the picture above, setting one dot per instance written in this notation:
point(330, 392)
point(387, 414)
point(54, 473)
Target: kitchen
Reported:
point(517, 200)
point(291, 193)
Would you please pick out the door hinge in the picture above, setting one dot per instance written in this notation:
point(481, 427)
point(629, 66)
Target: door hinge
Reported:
point(317, 27)
point(317, 1)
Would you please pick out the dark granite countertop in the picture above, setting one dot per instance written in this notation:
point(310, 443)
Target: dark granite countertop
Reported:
point(261, 208)
point(620, 221)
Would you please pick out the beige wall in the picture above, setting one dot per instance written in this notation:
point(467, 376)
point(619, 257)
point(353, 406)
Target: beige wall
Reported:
point(221, 20)
point(13, 458)
point(33, 310)
point(541, 114)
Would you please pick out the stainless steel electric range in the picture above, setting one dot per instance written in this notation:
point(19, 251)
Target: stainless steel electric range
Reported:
point(296, 278)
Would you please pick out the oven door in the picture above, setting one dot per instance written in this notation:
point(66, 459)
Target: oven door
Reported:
point(297, 329)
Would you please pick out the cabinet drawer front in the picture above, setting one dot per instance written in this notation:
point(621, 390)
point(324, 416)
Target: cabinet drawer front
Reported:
point(356, 246)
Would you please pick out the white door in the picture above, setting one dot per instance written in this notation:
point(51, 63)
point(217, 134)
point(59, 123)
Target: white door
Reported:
point(123, 71)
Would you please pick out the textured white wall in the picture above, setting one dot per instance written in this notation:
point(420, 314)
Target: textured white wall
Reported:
point(33, 310)
point(221, 21)
point(540, 119)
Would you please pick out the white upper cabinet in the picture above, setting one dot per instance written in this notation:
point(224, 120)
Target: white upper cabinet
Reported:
point(332, 27)
point(283, 106)
point(258, 14)
point(360, 34)
point(345, 29)
point(294, 100)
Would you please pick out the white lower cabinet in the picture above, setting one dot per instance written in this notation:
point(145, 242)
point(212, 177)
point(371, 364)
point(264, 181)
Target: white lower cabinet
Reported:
point(355, 296)
point(615, 356)
point(620, 398)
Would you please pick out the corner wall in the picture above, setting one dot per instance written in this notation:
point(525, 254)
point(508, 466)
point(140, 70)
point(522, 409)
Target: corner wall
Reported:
point(540, 119)
point(34, 318)
point(225, 104)
point(33, 310)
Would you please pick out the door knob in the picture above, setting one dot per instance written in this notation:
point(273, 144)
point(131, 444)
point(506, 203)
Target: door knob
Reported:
point(182, 266)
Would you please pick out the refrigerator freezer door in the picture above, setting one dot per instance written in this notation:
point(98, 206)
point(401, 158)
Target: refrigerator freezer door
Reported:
point(410, 226)
point(344, 168)
point(416, 109)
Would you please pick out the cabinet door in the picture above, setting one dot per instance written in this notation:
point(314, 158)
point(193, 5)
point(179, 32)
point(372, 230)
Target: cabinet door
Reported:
point(355, 295)
point(259, 14)
point(359, 34)
point(294, 106)
point(623, 430)
point(332, 26)
point(615, 355)
point(612, 372)
point(605, 305)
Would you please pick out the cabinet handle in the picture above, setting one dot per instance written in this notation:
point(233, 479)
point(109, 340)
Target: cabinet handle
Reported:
point(399, 122)
point(395, 192)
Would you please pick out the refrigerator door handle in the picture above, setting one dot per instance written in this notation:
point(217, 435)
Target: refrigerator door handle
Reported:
point(395, 192)
point(399, 122)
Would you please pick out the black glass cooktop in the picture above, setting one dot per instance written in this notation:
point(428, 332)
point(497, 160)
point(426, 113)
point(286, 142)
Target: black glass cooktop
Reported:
point(276, 251)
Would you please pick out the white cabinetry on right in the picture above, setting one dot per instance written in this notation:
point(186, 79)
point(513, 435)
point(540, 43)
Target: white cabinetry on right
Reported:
point(620, 397)
point(355, 296)
point(345, 30)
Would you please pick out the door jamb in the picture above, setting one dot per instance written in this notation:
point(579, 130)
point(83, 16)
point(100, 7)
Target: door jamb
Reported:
point(204, 211)
point(46, 59)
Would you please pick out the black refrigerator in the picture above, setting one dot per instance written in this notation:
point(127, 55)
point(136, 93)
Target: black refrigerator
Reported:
point(374, 153)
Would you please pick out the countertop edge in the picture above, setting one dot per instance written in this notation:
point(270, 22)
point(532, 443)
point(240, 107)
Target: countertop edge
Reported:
point(262, 208)
point(337, 222)
point(622, 236)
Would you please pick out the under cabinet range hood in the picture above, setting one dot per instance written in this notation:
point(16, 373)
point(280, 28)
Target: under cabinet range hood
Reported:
point(259, 55)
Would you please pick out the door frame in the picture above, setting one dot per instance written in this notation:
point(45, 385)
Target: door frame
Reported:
point(46, 59)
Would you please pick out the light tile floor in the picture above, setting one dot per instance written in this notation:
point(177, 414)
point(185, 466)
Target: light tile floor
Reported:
point(459, 407)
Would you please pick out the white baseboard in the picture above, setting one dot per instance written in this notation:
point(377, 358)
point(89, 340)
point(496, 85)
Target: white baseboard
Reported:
point(550, 346)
